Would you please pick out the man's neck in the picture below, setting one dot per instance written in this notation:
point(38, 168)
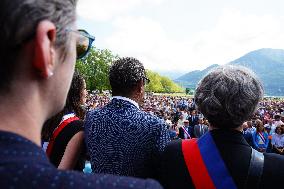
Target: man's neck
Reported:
point(20, 118)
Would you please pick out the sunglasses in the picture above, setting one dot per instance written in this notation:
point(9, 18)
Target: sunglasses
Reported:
point(84, 42)
point(146, 80)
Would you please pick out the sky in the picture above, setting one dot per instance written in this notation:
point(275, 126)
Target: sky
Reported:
point(179, 36)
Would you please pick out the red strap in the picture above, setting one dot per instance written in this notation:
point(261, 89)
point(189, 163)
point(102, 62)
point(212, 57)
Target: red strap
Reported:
point(195, 165)
point(56, 133)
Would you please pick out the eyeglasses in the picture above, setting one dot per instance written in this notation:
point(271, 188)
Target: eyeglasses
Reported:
point(146, 80)
point(84, 42)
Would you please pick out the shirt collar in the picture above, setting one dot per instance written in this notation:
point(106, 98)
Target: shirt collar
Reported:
point(67, 116)
point(126, 99)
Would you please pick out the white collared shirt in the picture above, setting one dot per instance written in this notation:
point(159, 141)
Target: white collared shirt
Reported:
point(127, 99)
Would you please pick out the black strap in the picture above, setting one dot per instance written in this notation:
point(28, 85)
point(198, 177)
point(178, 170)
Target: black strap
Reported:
point(255, 169)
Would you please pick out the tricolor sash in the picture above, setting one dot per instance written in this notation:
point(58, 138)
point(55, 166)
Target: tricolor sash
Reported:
point(185, 131)
point(205, 165)
point(261, 136)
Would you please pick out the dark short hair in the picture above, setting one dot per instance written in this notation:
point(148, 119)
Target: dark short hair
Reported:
point(125, 73)
point(18, 22)
point(277, 117)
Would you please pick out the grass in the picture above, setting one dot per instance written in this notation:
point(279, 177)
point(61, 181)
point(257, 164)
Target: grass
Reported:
point(174, 94)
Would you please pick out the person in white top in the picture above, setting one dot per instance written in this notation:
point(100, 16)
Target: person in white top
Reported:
point(278, 121)
point(278, 141)
point(184, 114)
point(180, 121)
point(270, 124)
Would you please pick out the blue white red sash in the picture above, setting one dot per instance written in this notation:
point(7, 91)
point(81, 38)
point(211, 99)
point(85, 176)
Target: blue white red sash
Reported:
point(205, 165)
point(185, 131)
point(261, 136)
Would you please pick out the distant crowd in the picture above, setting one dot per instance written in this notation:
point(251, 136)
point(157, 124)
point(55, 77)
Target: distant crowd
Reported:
point(264, 132)
point(48, 125)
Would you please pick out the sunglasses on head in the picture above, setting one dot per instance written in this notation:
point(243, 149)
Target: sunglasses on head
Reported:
point(84, 42)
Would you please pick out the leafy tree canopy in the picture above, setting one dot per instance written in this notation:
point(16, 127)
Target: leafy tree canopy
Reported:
point(95, 69)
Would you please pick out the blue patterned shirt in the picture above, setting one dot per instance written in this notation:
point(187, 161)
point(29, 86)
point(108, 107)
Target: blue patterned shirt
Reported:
point(25, 165)
point(124, 140)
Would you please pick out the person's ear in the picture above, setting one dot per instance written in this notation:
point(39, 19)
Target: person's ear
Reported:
point(44, 49)
point(140, 89)
point(141, 86)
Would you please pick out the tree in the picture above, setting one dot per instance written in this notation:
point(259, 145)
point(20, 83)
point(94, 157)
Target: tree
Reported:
point(95, 68)
point(167, 84)
point(161, 84)
point(155, 84)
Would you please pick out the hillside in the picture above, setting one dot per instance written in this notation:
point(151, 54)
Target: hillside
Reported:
point(268, 64)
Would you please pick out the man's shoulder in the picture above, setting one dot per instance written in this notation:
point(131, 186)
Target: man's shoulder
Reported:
point(49, 177)
point(125, 116)
point(150, 117)
point(94, 111)
point(98, 112)
point(115, 107)
point(109, 181)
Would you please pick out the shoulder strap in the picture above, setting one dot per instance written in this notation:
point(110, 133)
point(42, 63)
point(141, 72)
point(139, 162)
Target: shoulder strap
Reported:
point(205, 165)
point(261, 136)
point(188, 135)
point(255, 169)
point(57, 131)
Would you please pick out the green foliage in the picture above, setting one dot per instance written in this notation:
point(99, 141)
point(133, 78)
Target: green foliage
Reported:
point(155, 84)
point(160, 84)
point(95, 68)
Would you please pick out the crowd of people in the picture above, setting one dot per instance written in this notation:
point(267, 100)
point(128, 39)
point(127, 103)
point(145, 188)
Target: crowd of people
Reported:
point(48, 128)
point(179, 113)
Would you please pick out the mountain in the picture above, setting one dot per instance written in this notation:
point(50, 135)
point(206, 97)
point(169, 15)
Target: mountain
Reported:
point(268, 64)
point(191, 79)
point(171, 74)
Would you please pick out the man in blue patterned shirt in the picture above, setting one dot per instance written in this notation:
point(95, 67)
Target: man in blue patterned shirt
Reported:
point(122, 139)
point(38, 55)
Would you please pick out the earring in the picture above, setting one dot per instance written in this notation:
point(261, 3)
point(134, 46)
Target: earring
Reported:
point(50, 74)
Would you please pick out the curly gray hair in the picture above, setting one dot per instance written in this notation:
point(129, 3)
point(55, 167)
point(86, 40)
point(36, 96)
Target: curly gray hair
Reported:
point(228, 95)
